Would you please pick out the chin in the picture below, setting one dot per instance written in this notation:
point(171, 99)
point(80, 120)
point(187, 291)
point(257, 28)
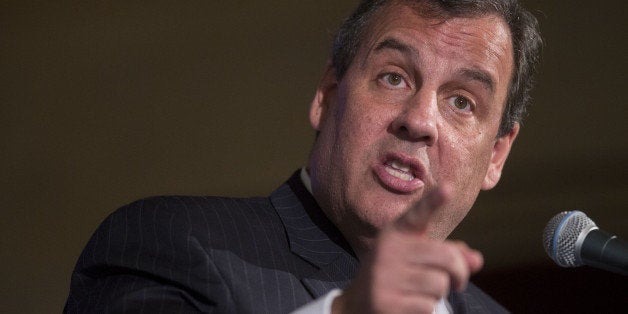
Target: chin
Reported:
point(380, 221)
point(439, 234)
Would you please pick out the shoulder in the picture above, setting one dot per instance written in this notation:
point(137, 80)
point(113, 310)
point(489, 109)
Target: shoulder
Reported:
point(173, 245)
point(171, 227)
point(177, 218)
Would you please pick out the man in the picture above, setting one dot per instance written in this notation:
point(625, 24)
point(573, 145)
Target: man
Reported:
point(415, 114)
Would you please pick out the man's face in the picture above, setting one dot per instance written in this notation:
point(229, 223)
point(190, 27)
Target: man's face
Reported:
point(418, 109)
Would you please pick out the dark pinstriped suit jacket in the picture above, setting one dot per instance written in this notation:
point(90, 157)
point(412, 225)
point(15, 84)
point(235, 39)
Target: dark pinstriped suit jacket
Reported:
point(222, 255)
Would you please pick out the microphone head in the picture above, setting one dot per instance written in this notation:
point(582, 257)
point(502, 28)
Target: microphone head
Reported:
point(563, 236)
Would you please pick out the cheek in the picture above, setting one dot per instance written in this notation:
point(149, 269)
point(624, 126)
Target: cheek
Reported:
point(465, 161)
point(362, 125)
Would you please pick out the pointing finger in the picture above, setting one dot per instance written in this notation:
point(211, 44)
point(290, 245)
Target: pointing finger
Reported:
point(417, 218)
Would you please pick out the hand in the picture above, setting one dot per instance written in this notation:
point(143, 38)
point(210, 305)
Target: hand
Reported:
point(407, 272)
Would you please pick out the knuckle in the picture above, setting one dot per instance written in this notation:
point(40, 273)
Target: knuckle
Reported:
point(452, 256)
point(441, 285)
point(455, 264)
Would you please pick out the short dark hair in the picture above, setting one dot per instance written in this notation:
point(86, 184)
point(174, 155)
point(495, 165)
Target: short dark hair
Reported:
point(526, 41)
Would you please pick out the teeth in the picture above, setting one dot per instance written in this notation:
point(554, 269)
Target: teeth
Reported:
point(399, 166)
point(399, 171)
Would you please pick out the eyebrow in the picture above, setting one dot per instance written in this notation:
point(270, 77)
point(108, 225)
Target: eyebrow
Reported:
point(391, 43)
point(480, 76)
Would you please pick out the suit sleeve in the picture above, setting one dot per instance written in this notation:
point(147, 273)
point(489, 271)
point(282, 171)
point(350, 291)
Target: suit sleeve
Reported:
point(145, 257)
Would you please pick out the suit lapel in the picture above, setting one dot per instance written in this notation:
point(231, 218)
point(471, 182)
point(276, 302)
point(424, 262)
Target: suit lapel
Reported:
point(314, 238)
point(464, 302)
point(336, 274)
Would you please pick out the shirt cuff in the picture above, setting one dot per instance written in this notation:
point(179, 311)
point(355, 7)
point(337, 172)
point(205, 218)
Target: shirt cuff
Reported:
point(321, 305)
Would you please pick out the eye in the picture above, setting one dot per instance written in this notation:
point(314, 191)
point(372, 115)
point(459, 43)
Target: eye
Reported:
point(394, 80)
point(461, 103)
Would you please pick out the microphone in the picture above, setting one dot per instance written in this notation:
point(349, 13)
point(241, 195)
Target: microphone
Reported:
point(572, 239)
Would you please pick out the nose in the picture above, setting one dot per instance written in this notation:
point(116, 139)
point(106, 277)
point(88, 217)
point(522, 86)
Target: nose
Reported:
point(417, 122)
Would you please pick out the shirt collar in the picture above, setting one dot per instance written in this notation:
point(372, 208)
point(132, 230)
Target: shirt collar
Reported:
point(305, 178)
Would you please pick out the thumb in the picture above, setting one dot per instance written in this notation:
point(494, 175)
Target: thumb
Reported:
point(417, 218)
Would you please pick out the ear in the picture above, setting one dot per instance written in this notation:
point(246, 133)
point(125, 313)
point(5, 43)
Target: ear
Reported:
point(501, 149)
point(325, 94)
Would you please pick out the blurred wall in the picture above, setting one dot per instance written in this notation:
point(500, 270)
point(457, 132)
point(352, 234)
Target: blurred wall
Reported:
point(102, 103)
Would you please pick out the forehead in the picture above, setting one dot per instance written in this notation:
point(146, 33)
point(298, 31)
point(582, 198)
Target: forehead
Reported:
point(482, 41)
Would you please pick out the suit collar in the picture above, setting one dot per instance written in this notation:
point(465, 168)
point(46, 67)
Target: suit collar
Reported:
point(314, 238)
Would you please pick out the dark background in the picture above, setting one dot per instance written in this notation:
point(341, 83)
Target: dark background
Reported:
point(105, 102)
